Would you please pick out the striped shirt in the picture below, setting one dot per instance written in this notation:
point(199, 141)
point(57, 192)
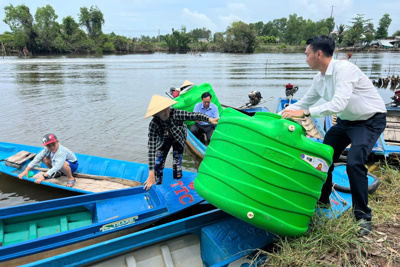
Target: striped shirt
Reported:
point(62, 155)
point(158, 130)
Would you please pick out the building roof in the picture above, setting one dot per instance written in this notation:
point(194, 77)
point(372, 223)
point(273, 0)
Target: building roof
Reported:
point(385, 43)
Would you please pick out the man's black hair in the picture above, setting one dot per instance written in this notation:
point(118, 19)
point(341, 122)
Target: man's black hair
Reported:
point(323, 43)
point(206, 94)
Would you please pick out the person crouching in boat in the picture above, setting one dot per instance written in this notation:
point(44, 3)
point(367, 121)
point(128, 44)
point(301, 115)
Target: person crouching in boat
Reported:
point(57, 158)
point(210, 109)
point(166, 129)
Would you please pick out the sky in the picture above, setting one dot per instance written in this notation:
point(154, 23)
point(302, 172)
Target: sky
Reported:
point(133, 18)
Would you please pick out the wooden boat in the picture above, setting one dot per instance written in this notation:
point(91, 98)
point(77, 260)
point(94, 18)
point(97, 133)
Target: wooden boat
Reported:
point(44, 229)
point(96, 174)
point(212, 238)
point(390, 139)
point(388, 144)
point(312, 125)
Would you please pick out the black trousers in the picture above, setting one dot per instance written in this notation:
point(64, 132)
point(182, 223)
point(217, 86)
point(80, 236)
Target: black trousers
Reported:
point(362, 135)
point(198, 130)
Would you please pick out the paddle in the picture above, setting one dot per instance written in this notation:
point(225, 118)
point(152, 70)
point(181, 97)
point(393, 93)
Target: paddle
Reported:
point(98, 177)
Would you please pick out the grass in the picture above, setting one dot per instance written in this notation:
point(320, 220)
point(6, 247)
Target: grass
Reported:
point(334, 242)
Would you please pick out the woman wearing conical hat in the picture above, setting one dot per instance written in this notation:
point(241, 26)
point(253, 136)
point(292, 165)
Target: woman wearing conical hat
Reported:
point(166, 129)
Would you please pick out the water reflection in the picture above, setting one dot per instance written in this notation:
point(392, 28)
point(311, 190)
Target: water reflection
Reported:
point(15, 192)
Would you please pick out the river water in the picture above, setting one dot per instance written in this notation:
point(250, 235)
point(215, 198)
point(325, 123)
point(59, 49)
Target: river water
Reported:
point(96, 104)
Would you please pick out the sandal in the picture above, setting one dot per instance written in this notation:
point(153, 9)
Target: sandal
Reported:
point(71, 182)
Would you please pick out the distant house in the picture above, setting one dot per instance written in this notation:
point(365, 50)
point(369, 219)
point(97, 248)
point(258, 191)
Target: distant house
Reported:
point(202, 40)
point(386, 43)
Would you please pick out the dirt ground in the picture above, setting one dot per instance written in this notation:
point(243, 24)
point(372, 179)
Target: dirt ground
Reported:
point(385, 245)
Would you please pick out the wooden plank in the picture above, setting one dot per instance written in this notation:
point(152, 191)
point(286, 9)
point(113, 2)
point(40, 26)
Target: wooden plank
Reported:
point(85, 184)
point(18, 159)
point(127, 182)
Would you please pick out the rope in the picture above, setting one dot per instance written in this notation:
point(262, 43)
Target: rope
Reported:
point(344, 202)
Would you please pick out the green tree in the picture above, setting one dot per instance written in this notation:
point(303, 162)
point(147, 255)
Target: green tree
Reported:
point(69, 26)
point(280, 25)
point(240, 38)
point(178, 40)
point(384, 23)
point(6, 42)
point(294, 28)
point(341, 31)
point(310, 30)
point(219, 37)
point(397, 33)
point(269, 29)
point(358, 28)
point(92, 20)
point(46, 28)
point(79, 42)
point(257, 27)
point(20, 21)
point(121, 43)
point(200, 33)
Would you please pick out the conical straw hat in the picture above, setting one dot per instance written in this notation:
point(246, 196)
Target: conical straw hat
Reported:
point(157, 104)
point(186, 83)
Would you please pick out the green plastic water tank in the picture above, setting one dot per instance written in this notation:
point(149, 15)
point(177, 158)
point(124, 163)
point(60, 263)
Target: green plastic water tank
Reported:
point(188, 100)
point(265, 171)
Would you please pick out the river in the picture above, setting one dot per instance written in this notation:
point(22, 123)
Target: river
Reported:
point(96, 104)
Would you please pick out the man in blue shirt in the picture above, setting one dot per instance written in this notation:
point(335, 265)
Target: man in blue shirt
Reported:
point(211, 110)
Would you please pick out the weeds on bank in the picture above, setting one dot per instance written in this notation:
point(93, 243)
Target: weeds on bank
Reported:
point(334, 242)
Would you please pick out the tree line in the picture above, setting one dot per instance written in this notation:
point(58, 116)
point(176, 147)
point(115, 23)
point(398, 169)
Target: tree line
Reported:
point(42, 33)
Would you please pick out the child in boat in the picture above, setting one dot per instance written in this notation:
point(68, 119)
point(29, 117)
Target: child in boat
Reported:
point(57, 158)
point(166, 129)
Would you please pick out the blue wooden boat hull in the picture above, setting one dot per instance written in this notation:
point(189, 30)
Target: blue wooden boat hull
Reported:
point(113, 213)
point(87, 165)
point(394, 149)
point(223, 238)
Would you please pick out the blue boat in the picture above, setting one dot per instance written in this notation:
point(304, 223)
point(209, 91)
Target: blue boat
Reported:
point(388, 144)
point(213, 238)
point(43, 229)
point(390, 139)
point(100, 174)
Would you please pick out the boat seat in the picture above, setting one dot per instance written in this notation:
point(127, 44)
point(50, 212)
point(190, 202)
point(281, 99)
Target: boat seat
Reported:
point(63, 223)
point(1, 232)
point(12, 232)
point(32, 230)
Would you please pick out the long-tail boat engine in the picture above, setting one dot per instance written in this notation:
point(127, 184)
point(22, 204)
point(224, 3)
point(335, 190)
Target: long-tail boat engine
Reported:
point(254, 98)
point(396, 99)
point(291, 90)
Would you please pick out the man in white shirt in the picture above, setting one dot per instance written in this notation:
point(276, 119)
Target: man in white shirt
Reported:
point(361, 118)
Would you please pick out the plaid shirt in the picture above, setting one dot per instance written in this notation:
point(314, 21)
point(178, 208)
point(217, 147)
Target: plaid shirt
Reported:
point(174, 125)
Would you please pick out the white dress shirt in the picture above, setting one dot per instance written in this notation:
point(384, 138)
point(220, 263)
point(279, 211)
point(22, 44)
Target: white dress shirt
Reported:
point(349, 92)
